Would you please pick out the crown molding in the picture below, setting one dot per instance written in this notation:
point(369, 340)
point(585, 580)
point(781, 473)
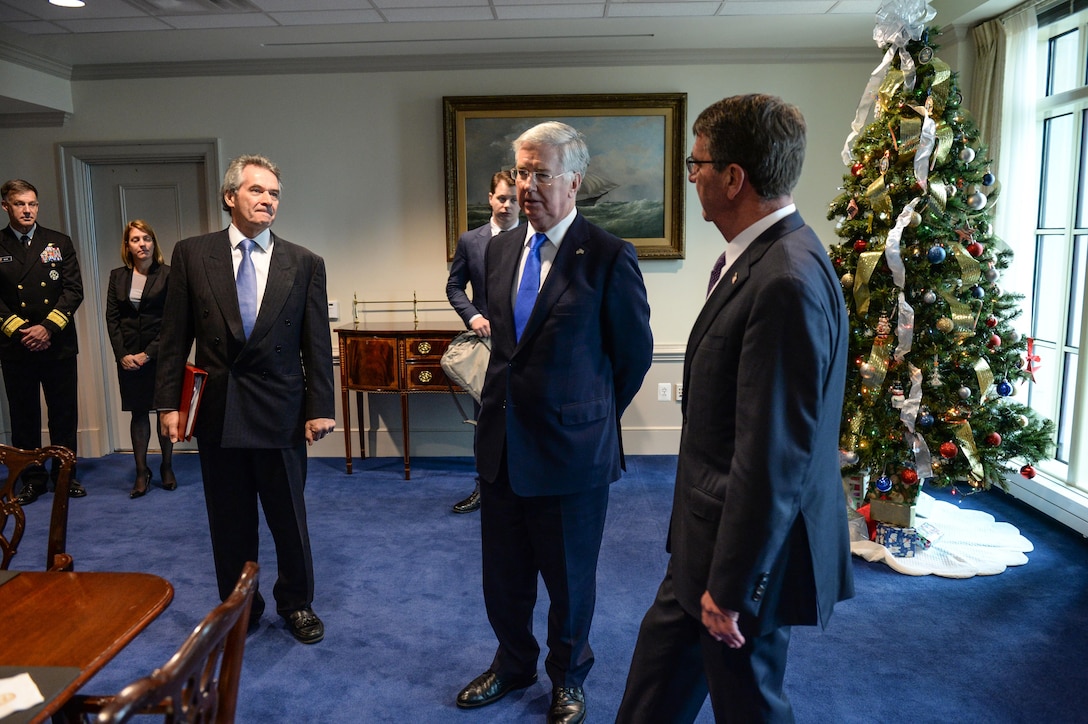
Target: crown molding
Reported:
point(34, 61)
point(45, 119)
point(469, 61)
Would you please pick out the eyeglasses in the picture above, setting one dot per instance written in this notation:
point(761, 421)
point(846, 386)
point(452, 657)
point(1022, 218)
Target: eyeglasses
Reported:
point(542, 178)
point(693, 163)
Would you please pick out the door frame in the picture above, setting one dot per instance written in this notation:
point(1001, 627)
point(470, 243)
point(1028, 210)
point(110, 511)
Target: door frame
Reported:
point(95, 360)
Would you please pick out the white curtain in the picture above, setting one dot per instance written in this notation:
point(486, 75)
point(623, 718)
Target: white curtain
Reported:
point(987, 85)
point(1017, 209)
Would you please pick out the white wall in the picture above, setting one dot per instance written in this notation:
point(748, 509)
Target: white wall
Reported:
point(363, 172)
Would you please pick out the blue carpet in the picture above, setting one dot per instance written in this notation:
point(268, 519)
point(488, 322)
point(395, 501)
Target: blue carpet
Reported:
point(398, 586)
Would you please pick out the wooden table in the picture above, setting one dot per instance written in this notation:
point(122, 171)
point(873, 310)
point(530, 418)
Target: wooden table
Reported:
point(397, 358)
point(73, 620)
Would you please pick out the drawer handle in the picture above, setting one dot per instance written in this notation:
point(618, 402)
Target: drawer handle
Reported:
point(425, 376)
point(424, 347)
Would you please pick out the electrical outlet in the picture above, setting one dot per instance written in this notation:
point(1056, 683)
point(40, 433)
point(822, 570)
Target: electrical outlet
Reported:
point(334, 310)
point(679, 391)
point(664, 391)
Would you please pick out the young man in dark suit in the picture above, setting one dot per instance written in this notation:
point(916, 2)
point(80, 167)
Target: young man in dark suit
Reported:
point(468, 268)
point(257, 308)
point(758, 534)
point(40, 290)
point(570, 344)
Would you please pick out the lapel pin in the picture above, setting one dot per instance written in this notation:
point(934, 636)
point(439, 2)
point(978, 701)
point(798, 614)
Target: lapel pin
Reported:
point(734, 277)
point(580, 251)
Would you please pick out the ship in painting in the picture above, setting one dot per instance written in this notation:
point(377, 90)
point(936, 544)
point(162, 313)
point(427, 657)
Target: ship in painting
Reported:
point(593, 188)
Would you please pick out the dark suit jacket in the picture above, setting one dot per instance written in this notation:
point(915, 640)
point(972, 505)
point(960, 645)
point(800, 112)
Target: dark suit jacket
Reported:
point(468, 267)
point(39, 285)
point(133, 330)
point(259, 391)
point(554, 398)
point(759, 517)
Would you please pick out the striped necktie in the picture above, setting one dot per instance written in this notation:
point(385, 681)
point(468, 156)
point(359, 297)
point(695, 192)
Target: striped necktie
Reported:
point(715, 273)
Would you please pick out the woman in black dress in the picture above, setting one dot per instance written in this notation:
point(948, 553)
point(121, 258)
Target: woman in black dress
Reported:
point(134, 306)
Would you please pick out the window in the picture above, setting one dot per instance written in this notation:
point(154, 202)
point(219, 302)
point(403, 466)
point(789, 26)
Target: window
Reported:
point(1057, 300)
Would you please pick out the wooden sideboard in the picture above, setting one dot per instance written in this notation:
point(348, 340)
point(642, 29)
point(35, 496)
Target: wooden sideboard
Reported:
point(397, 358)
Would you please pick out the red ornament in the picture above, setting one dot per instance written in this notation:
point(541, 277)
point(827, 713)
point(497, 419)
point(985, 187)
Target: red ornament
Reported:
point(993, 439)
point(908, 476)
point(948, 450)
point(975, 249)
point(991, 322)
point(857, 169)
point(860, 245)
point(994, 342)
point(1028, 472)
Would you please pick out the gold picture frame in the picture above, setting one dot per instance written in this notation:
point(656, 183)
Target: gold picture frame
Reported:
point(634, 186)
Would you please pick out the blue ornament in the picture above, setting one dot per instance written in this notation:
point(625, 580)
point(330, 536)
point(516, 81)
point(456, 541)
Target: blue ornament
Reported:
point(883, 483)
point(937, 255)
point(1004, 388)
point(978, 292)
point(988, 179)
point(925, 421)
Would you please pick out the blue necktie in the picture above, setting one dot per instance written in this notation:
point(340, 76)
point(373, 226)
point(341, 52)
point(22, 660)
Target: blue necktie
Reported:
point(529, 286)
point(247, 287)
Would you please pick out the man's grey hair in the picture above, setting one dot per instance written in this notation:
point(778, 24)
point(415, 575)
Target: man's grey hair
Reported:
point(568, 142)
point(232, 179)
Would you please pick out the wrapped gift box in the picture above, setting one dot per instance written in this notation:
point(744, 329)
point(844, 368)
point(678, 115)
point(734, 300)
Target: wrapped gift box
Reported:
point(885, 511)
point(902, 542)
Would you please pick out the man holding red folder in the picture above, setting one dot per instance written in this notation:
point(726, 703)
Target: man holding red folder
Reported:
point(256, 306)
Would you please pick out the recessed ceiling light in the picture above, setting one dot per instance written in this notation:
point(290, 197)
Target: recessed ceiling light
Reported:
point(68, 3)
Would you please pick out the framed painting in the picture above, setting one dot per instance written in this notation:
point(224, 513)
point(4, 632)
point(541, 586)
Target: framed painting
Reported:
point(634, 186)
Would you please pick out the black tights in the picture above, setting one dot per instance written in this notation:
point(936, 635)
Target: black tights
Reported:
point(140, 430)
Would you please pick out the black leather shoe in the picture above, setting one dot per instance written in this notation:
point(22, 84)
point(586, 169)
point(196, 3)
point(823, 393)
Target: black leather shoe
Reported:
point(568, 705)
point(169, 482)
point(489, 687)
point(75, 490)
point(139, 488)
point(470, 503)
point(305, 626)
point(31, 491)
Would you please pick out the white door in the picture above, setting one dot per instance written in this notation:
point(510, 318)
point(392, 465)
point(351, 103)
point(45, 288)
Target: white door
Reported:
point(173, 198)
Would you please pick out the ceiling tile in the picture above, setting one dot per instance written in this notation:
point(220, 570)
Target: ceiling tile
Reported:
point(227, 20)
point(328, 17)
point(549, 12)
point(36, 27)
point(113, 25)
point(273, 6)
point(777, 7)
point(430, 15)
point(662, 9)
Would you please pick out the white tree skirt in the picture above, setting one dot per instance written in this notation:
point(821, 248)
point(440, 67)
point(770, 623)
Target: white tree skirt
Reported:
point(973, 544)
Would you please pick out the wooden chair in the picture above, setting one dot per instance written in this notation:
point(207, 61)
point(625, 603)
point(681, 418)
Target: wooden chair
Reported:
point(199, 683)
point(17, 460)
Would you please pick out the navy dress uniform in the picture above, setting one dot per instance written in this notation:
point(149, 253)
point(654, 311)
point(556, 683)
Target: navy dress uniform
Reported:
point(40, 283)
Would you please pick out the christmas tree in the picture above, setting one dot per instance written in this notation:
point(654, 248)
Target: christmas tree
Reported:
point(934, 358)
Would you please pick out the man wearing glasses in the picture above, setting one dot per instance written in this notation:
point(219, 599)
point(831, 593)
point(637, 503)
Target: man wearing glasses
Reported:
point(758, 536)
point(571, 343)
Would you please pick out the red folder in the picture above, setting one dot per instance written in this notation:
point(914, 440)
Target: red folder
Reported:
point(192, 391)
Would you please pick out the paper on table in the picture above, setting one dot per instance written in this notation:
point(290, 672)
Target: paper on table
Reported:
point(17, 693)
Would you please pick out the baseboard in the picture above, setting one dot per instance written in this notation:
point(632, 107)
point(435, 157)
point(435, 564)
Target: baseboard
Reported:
point(1062, 503)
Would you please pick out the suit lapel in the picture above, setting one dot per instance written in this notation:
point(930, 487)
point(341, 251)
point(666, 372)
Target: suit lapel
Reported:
point(732, 281)
point(281, 273)
point(506, 255)
point(219, 269)
point(154, 280)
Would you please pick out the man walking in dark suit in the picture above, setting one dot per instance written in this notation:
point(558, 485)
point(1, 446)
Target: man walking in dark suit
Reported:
point(758, 534)
point(468, 268)
point(571, 343)
point(257, 308)
point(40, 290)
